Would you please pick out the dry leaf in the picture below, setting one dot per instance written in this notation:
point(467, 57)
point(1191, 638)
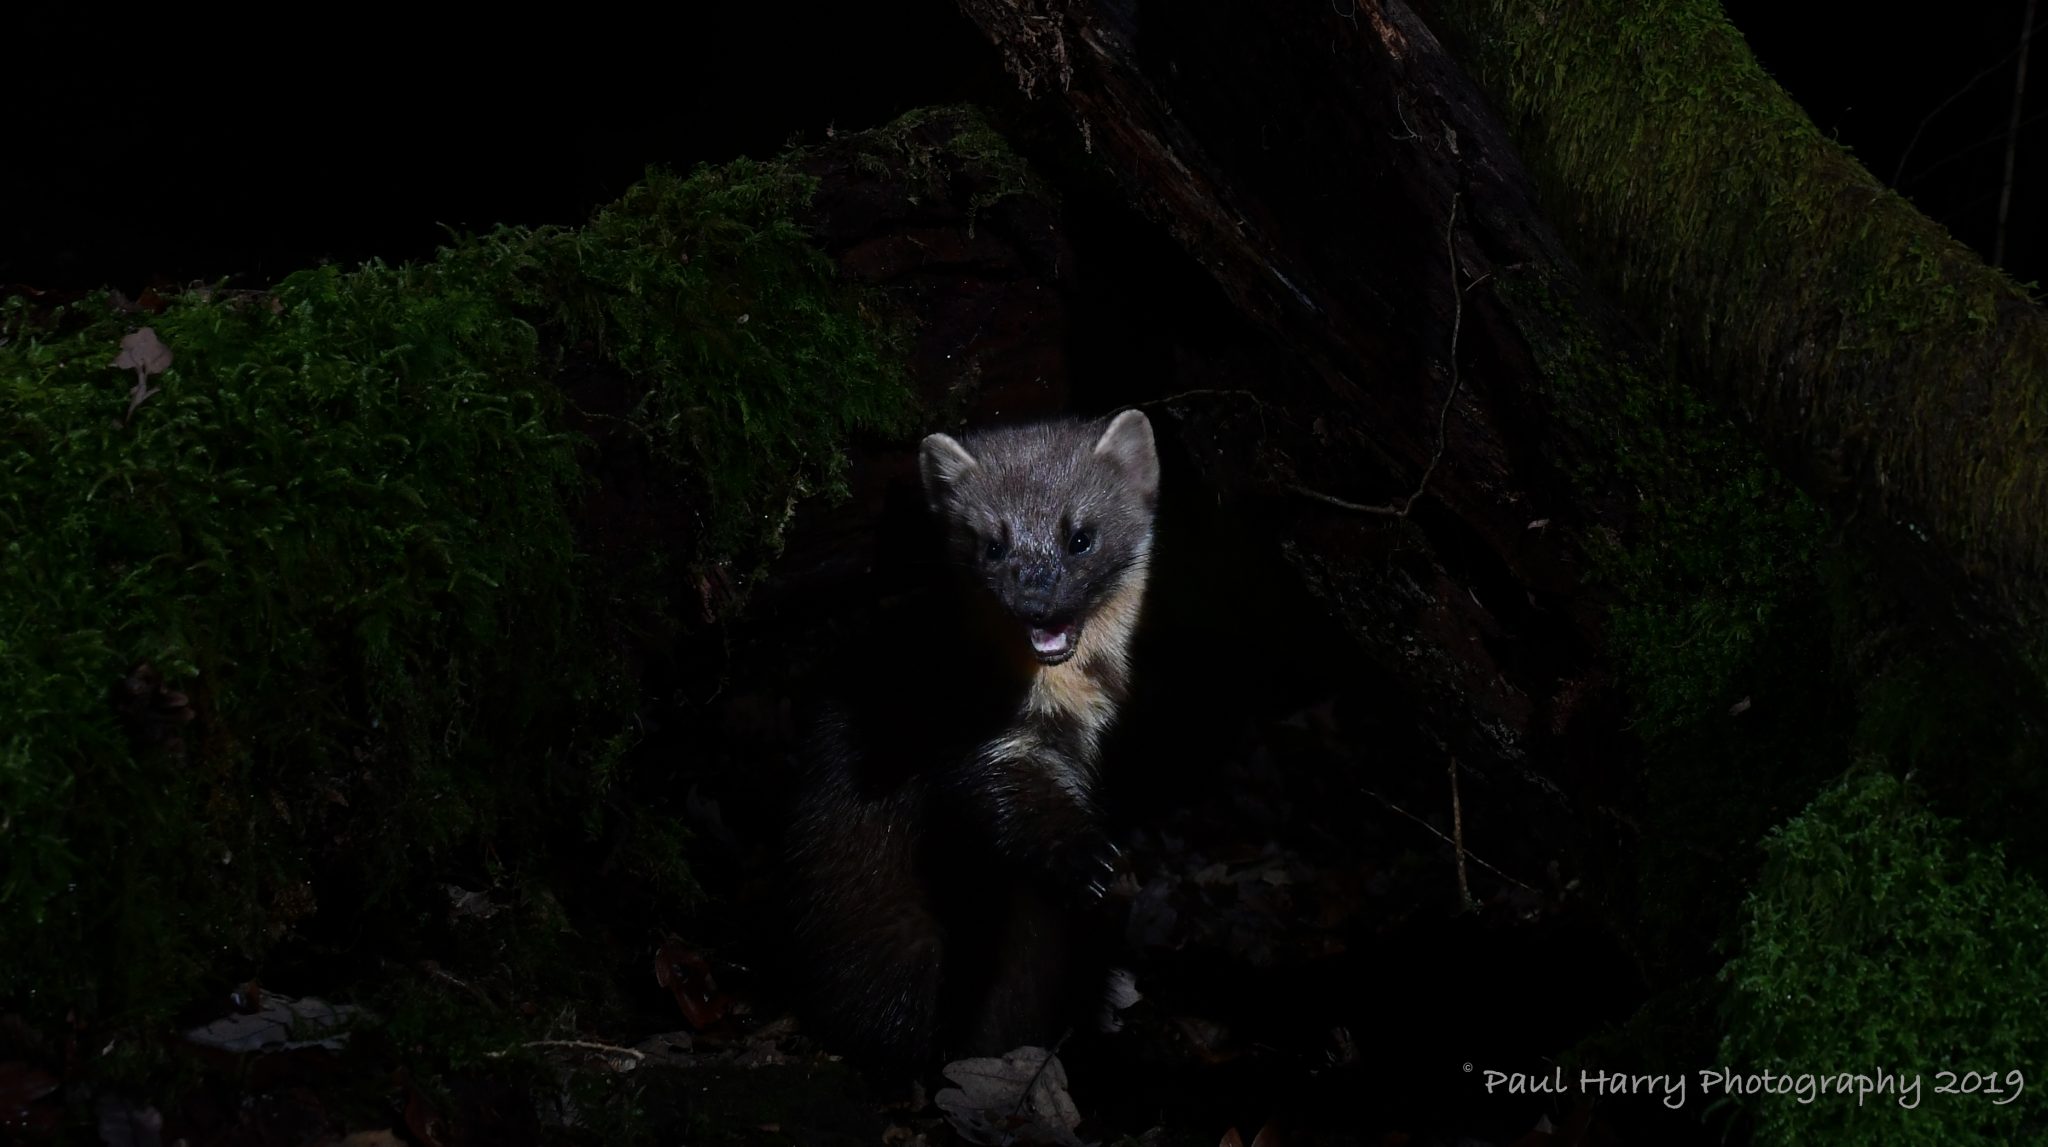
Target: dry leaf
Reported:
point(143, 352)
point(1120, 993)
point(280, 1024)
point(423, 1120)
point(1123, 989)
point(1739, 708)
point(1020, 1098)
point(687, 976)
point(146, 355)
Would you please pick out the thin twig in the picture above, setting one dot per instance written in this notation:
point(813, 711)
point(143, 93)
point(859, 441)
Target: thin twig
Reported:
point(1197, 393)
point(1971, 148)
point(1205, 392)
point(1402, 114)
point(1434, 831)
point(1899, 171)
point(435, 971)
point(1443, 417)
point(574, 1045)
point(2012, 135)
point(628, 423)
point(1458, 840)
point(1358, 507)
point(1025, 1098)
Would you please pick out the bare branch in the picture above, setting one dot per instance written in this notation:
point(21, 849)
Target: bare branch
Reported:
point(2012, 135)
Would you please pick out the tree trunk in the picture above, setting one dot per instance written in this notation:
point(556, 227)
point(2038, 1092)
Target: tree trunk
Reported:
point(1522, 512)
point(1352, 196)
point(1352, 192)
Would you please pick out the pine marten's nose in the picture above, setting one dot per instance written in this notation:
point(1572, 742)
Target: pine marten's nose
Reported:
point(1037, 576)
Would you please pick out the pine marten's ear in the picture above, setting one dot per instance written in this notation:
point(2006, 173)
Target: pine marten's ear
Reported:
point(1129, 441)
point(941, 461)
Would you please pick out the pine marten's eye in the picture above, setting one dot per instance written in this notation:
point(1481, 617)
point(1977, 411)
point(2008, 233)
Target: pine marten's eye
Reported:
point(994, 550)
point(1081, 542)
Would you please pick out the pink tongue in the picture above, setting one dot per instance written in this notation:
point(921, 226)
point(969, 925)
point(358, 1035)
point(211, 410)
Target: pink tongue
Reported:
point(1049, 640)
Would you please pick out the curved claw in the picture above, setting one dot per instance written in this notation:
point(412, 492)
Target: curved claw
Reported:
point(1096, 890)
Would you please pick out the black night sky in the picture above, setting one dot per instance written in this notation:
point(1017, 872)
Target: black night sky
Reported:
point(354, 143)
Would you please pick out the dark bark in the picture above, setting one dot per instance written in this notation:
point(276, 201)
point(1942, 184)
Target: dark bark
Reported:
point(1355, 199)
point(1355, 195)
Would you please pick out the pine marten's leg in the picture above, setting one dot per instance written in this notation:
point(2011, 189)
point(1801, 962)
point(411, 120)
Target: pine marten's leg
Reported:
point(871, 945)
point(1033, 985)
point(1036, 803)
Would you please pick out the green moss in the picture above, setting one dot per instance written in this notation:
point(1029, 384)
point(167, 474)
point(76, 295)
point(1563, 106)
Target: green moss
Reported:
point(927, 144)
point(1781, 274)
point(1880, 939)
point(1727, 586)
point(1719, 625)
point(298, 531)
point(344, 530)
point(1714, 544)
point(758, 362)
point(1928, 708)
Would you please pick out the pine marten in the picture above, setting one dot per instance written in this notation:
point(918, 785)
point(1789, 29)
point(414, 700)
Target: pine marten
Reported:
point(948, 842)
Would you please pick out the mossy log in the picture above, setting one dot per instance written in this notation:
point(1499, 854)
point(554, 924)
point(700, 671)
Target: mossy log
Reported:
point(1559, 499)
point(1884, 363)
point(383, 564)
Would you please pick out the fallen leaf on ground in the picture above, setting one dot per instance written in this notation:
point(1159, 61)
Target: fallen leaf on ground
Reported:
point(281, 1024)
point(146, 355)
point(1121, 993)
point(687, 975)
point(142, 351)
point(1020, 1098)
point(423, 1119)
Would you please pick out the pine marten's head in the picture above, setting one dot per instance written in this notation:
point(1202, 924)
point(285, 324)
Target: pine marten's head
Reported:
point(1055, 518)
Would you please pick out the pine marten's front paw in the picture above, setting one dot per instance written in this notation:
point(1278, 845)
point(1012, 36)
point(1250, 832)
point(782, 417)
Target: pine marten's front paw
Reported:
point(1085, 866)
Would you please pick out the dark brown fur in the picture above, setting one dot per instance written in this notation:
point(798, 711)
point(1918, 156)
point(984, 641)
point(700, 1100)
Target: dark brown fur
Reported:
point(948, 837)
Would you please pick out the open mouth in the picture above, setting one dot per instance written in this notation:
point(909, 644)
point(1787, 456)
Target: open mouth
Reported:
point(1054, 643)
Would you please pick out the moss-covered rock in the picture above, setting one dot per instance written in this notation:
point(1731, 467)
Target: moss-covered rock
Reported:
point(343, 537)
point(1881, 939)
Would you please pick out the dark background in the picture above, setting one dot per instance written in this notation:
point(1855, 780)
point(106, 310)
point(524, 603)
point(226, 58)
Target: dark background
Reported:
point(139, 153)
